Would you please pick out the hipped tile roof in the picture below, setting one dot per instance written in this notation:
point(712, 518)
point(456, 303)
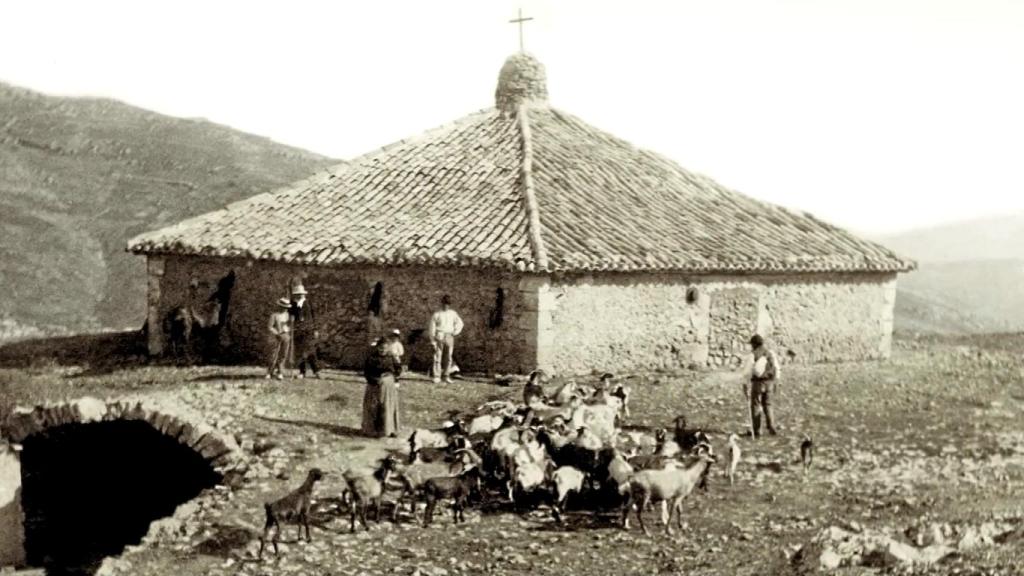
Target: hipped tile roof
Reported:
point(521, 186)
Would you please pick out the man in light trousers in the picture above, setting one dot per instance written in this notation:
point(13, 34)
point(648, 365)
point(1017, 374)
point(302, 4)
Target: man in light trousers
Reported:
point(445, 325)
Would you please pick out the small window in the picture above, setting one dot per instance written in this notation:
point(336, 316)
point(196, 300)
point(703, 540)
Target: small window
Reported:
point(692, 295)
point(376, 299)
point(497, 316)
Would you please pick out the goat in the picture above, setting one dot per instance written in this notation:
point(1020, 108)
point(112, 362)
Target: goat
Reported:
point(565, 479)
point(412, 478)
point(688, 439)
point(365, 488)
point(664, 453)
point(564, 393)
point(669, 485)
point(458, 488)
point(422, 438)
point(599, 419)
point(499, 407)
point(291, 508)
point(533, 391)
point(529, 452)
point(807, 452)
point(486, 423)
point(734, 458)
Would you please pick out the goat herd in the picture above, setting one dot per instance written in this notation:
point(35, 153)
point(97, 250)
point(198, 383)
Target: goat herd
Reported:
point(540, 451)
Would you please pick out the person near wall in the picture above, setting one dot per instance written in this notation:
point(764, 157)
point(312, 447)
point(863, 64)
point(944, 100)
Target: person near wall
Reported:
point(763, 385)
point(445, 325)
point(381, 409)
point(304, 333)
point(279, 330)
point(395, 348)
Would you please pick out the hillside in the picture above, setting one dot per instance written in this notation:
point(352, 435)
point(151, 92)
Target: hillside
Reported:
point(970, 277)
point(79, 176)
point(998, 238)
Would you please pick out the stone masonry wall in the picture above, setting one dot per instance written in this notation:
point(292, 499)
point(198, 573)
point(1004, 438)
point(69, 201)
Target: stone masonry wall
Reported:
point(341, 297)
point(645, 321)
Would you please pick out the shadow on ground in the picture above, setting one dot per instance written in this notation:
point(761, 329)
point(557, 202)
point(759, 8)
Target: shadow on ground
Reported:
point(97, 353)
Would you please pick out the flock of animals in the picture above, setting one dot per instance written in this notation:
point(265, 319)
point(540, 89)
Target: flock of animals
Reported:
point(538, 452)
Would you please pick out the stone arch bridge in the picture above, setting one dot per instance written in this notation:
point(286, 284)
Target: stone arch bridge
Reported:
point(172, 420)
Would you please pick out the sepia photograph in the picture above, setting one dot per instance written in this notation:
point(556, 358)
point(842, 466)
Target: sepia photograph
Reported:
point(512, 287)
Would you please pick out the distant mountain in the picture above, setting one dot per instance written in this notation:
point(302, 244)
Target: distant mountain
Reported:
point(998, 238)
point(79, 176)
point(970, 277)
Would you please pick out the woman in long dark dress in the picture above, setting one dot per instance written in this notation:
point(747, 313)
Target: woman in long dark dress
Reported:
point(380, 402)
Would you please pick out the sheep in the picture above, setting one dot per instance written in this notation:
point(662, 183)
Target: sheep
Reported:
point(734, 458)
point(458, 488)
point(669, 485)
point(565, 479)
point(293, 507)
point(365, 488)
point(807, 452)
point(412, 478)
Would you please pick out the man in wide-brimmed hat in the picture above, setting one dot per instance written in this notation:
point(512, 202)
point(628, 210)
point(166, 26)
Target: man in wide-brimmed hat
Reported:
point(305, 335)
point(280, 332)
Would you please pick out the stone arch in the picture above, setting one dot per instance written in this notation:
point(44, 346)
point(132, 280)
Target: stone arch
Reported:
point(176, 422)
point(218, 449)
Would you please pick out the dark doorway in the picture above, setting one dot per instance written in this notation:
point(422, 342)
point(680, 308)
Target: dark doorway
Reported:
point(89, 490)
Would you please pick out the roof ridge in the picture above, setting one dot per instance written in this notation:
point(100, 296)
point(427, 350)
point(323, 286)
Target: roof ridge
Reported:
point(529, 197)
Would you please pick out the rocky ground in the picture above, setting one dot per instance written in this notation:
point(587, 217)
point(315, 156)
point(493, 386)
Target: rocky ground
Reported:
point(919, 469)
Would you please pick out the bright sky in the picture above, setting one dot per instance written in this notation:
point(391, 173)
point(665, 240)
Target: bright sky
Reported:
point(877, 115)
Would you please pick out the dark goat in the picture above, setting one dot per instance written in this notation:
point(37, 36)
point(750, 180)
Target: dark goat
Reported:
point(807, 452)
point(458, 488)
point(688, 439)
point(292, 508)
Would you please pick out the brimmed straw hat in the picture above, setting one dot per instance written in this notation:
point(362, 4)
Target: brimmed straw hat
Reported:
point(299, 289)
point(284, 303)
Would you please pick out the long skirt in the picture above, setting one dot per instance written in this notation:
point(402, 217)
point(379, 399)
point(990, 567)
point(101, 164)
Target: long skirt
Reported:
point(381, 407)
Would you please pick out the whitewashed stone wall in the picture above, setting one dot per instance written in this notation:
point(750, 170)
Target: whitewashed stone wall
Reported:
point(566, 324)
point(341, 298)
point(645, 321)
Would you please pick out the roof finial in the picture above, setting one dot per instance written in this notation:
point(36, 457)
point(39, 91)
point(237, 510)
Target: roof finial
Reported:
point(520, 21)
point(522, 79)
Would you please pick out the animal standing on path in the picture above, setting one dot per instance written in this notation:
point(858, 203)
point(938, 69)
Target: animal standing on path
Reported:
point(292, 508)
point(807, 452)
point(734, 458)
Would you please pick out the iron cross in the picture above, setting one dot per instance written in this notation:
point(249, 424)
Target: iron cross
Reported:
point(520, 21)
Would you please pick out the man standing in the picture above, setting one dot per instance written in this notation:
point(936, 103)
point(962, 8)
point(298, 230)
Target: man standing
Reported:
point(763, 381)
point(280, 333)
point(304, 332)
point(445, 325)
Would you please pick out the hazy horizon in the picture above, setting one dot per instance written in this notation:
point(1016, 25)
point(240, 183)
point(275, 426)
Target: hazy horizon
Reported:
point(877, 116)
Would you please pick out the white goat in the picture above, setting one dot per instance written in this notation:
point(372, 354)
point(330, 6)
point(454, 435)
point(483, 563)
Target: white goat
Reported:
point(668, 485)
point(734, 457)
point(566, 479)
